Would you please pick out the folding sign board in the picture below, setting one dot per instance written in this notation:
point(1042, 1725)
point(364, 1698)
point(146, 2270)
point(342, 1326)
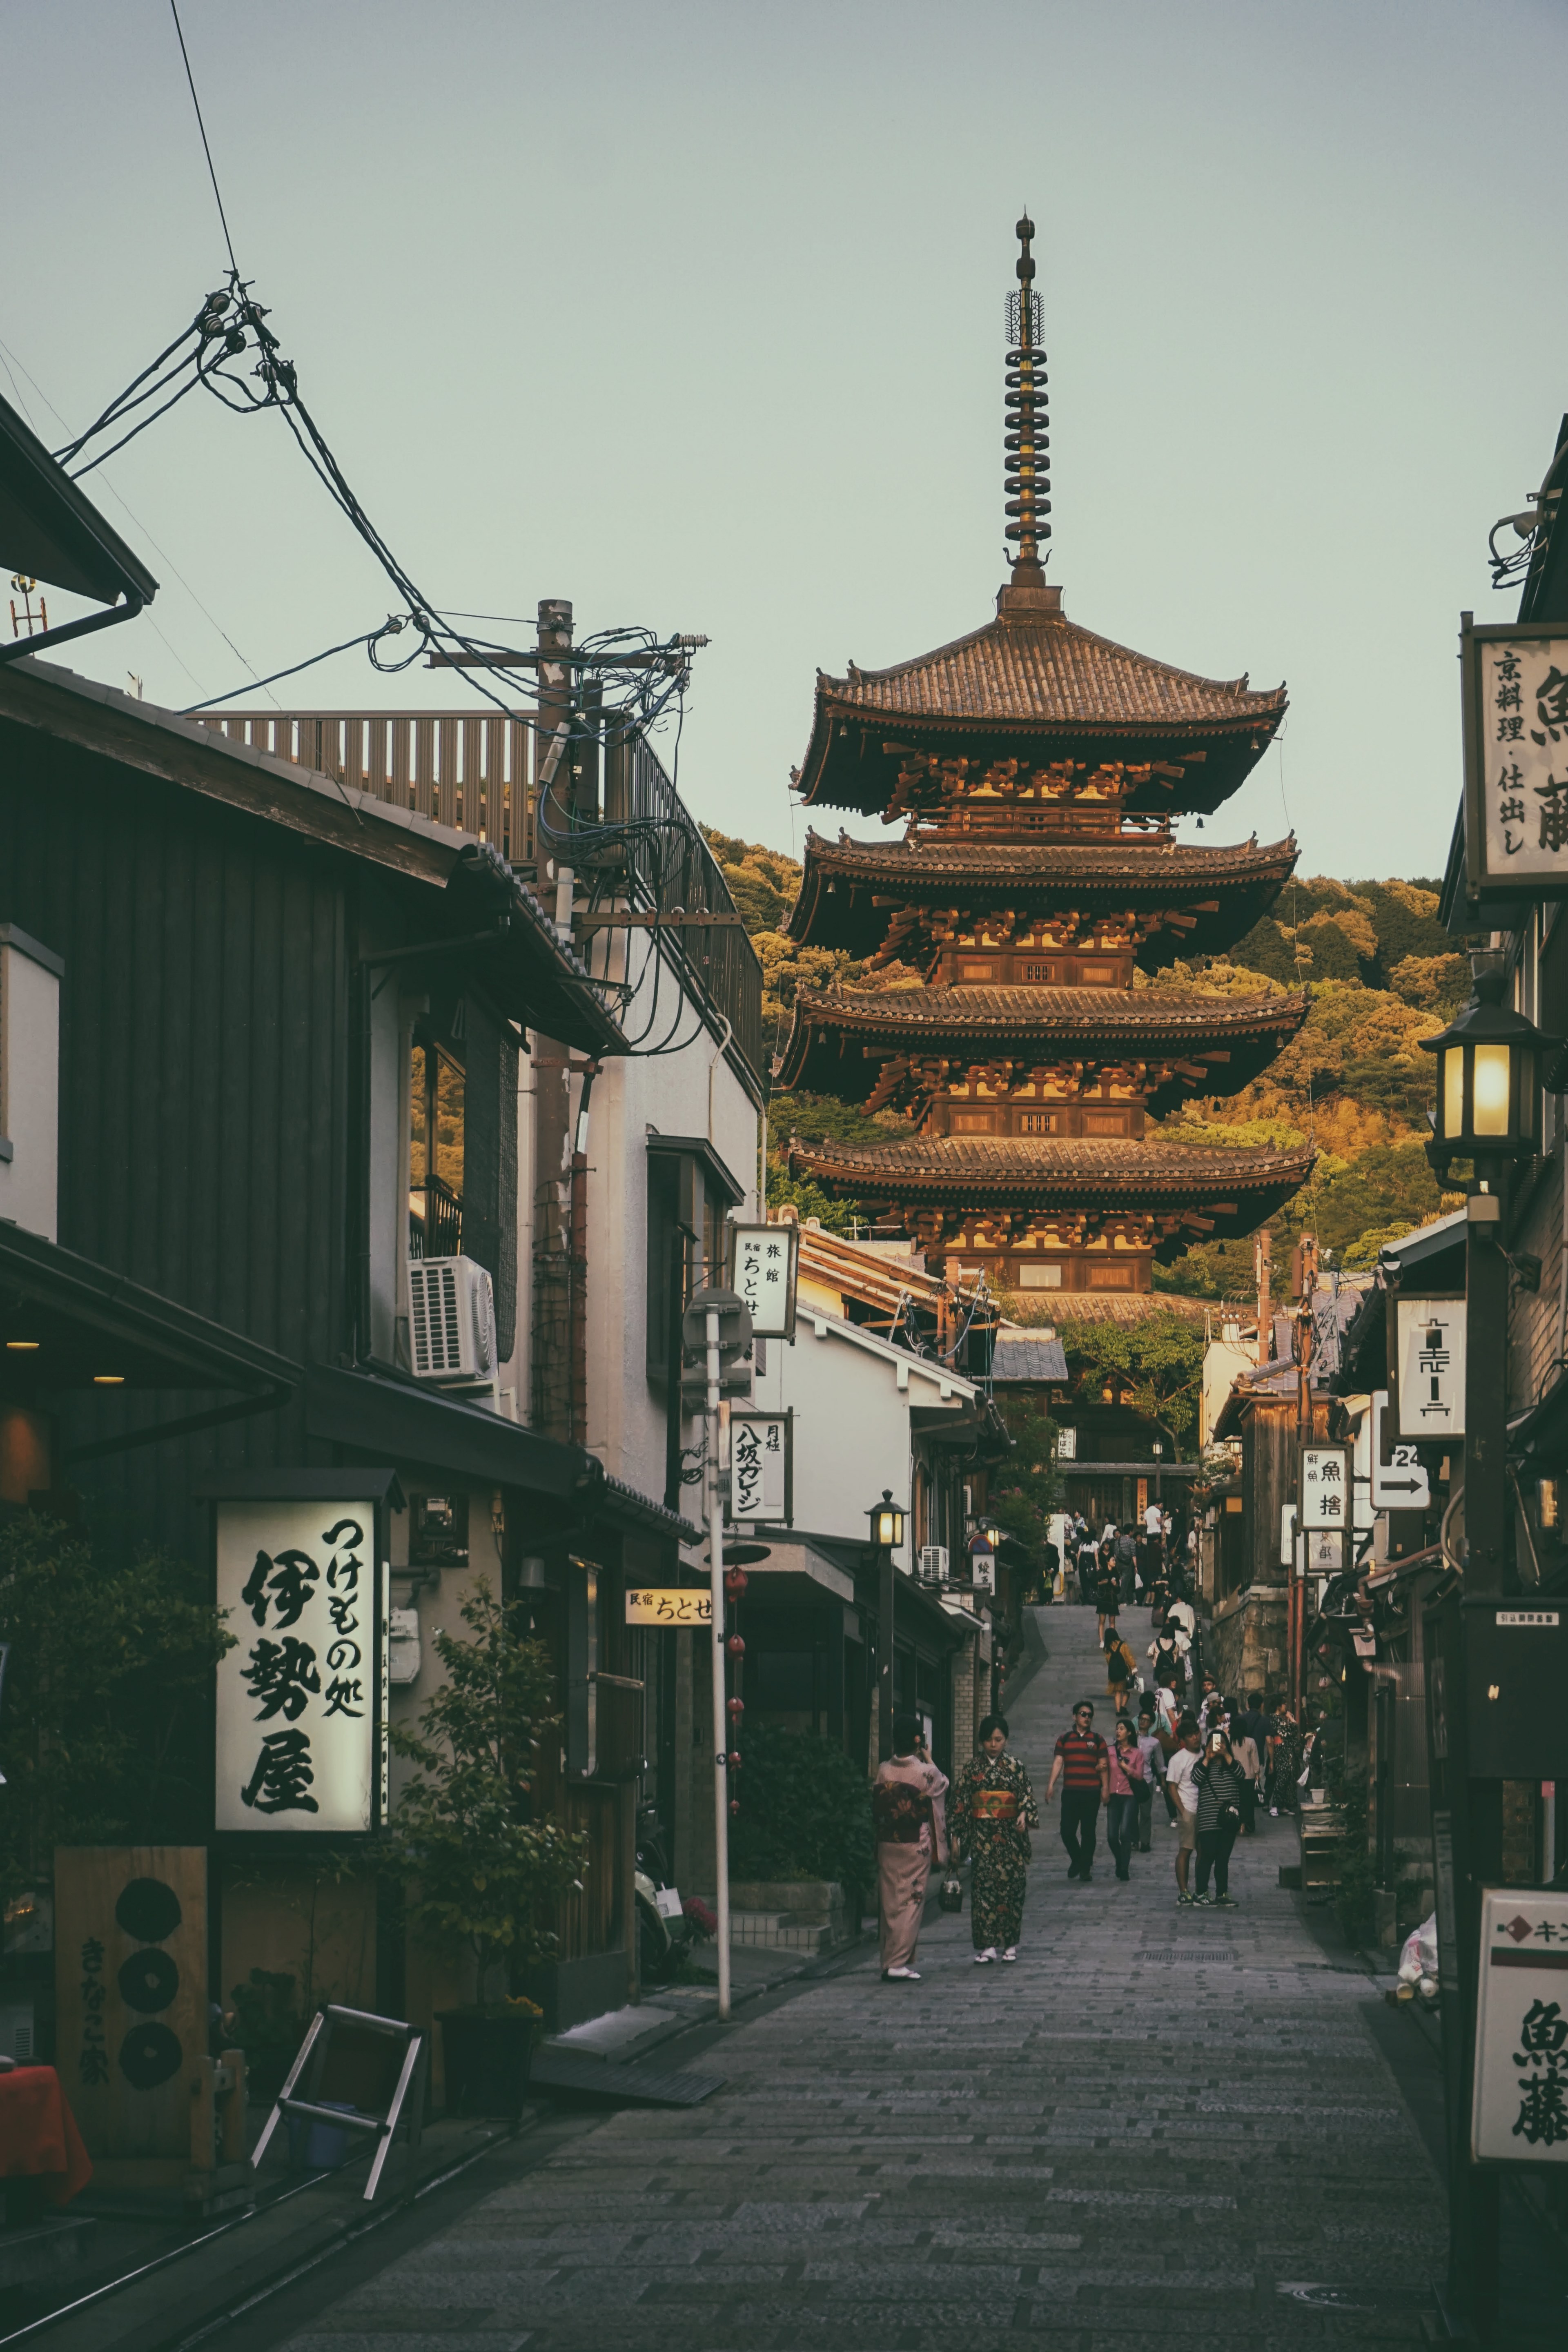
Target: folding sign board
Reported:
point(669, 1605)
point(1514, 680)
point(1429, 1365)
point(303, 1696)
point(1324, 1487)
point(761, 1468)
point(1520, 2113)
point(764, 1262)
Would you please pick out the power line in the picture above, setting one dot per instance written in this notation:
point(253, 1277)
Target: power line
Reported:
point(202, 127)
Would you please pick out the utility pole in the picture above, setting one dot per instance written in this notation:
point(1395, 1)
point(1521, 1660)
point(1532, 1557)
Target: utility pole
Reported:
point(1304, 1270)
point(552, 1350)
point(1260, 1251)
point(721, 1720)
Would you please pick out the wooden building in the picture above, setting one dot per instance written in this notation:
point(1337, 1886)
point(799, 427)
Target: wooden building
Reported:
point(1036, 771)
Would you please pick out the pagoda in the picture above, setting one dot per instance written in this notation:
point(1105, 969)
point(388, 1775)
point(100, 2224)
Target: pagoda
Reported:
point(1036, 771)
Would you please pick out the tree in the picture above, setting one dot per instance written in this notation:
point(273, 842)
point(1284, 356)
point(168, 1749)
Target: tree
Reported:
point(1159, 1361)
point(477, 1860)
point(1026, 1487)
point(104, 1738)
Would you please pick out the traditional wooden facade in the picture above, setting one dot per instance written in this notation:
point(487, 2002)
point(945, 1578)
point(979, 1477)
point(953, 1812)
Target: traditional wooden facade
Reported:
point(1038, 770)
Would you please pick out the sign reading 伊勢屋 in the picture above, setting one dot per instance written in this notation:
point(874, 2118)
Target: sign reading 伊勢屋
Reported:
point(1520, 2108)
point(1515, 683)
point(302, 1696)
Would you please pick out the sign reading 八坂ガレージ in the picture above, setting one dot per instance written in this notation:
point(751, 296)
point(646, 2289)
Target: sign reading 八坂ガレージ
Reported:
point(1520, 2108)
point(763, 1263)
point(1516, 756)
point(762, 1465)
point(1325, 1486)
point(302, 1699)
point(670, 1604)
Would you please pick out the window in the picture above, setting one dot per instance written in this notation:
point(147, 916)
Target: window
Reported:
point(1040, 975)
point(690, 1194)
point(1111, 1277)
point(1040, 1278)
point(1038, 1122)
point(436, 1153)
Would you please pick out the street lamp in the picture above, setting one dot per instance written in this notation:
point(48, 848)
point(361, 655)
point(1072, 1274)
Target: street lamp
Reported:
point(1488, 1080)
point(1490, 1065)
point(988, 1530)
point(887, 1537)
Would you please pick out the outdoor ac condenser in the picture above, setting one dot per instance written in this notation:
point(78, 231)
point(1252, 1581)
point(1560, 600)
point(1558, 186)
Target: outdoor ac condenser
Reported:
point(451, 1319)
point(934, 1563)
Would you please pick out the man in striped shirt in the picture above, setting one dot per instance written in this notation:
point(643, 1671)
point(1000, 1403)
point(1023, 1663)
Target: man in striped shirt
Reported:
point(1081, 1761)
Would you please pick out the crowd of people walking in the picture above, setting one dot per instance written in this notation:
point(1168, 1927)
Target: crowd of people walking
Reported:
point(1179, 1751)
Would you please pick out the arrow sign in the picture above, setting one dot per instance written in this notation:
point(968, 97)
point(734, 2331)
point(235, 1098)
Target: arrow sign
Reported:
point(1398, 1483)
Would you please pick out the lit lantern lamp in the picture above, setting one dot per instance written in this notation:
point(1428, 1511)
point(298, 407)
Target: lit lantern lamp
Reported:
point(886, 1523)
point(1489, 1063)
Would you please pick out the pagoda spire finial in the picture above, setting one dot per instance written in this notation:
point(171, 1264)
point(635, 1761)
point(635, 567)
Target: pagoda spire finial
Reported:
point(1028, 441)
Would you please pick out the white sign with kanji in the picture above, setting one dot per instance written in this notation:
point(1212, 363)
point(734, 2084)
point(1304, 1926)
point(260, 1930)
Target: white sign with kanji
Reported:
point(1521, 2106)
point(1520, 756)
point(669, 1605)
point(1431, 1358)
point(1325, 1486)
point(763, 1262)
point(301, 1695)
point(760, 1465)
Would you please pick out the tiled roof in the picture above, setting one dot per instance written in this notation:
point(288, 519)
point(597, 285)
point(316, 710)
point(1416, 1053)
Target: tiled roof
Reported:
point(1043, 1014)
point(1152, 864)
point(1023, 1356)
point(988, 1169)
point(1048, 670)
point(1128, 1306)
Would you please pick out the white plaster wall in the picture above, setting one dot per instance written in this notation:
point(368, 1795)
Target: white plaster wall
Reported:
point(29, 1085)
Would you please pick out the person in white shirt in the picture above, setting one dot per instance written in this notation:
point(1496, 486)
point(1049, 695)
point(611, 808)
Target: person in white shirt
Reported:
point(1152, 1520)
point(1179, 1780)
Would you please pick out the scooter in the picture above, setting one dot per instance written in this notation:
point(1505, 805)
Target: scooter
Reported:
point(664, 1934)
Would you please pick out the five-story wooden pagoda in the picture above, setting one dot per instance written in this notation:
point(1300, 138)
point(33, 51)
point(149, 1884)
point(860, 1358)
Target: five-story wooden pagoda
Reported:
point(1037, 769)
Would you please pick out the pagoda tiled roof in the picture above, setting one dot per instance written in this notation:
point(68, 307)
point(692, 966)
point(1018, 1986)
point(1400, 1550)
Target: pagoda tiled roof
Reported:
point(1134, 873)
point(1035, 674)
point(982, 1171)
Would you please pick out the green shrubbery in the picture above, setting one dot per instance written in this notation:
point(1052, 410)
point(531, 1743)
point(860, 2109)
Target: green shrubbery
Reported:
point(805, 1811)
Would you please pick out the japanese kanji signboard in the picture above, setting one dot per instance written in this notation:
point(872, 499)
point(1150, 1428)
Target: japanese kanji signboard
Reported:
point(131, 1994)
point(302, 1695)
point(1515, 678)
point(1429, 1340)
point(669, 1605)
point(1324, 1487)
point(763, 1263)
point(761, 1466)
point(1520, 2108)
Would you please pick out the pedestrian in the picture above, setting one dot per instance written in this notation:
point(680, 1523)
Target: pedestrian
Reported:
point(1088, 1563)
point(1286, 1759)
point(1179, 1774)
point(904, 1795)
point(1124, 1772)
point(1153, 1755)
point(1244, 1748)
point(1219, 1781)
point(1108, 1592)
point(1082, 1761)
point(1127, 1565)
point(1120, 1669)
point(993, 1810)
point(1164, 1650)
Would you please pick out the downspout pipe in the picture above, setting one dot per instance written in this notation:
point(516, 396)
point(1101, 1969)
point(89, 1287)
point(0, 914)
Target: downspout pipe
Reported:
point(579, 1242)
point(50, 638)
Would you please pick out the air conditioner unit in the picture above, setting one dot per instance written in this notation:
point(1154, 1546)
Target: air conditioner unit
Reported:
point(934, 1563)
point(451, 1319)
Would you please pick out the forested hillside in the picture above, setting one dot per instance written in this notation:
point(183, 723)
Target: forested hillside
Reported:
point(1383, 975)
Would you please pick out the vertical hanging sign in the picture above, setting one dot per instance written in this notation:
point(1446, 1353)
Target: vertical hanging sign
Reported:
point(1520, 2111)
point(761, 1466)
point(302, 1696)
point(1325, 1485)
point(764, 1260)
point(1514, 677)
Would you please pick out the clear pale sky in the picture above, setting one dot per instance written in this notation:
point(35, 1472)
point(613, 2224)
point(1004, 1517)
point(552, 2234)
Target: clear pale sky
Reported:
point(695, 315)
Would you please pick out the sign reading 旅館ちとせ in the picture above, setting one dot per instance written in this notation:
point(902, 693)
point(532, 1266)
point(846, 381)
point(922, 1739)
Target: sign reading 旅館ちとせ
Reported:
point(302, 1698)
point(1516, 756)
point(763, 1263)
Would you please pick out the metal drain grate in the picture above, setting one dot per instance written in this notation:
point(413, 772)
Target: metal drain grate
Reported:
point(1170, 1953)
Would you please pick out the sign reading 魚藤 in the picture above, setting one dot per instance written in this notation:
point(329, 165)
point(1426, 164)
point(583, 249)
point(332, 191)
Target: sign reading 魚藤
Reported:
point(763, 1263)
point(1430, 1342)
point(761, 1466)
point(670, 1604)
point(1515, 678)
point(1521, 2106)
point(302, 1701)
point(1325, 1486)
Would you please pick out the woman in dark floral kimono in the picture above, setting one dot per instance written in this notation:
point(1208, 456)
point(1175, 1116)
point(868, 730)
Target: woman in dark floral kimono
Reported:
point(991, 1813)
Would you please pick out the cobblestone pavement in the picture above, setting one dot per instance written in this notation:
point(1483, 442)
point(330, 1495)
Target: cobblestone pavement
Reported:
point(1158, 2126)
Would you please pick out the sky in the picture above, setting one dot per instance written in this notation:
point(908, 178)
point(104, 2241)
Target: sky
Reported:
point(695, 315)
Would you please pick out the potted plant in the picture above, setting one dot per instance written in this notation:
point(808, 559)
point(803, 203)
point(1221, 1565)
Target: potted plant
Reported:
point(477, 1859)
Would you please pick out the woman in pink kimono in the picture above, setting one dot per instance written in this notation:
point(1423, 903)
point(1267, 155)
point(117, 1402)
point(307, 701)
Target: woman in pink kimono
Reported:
point(906, 1812)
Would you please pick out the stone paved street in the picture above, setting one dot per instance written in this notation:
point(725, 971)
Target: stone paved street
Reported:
point(1146, 2131)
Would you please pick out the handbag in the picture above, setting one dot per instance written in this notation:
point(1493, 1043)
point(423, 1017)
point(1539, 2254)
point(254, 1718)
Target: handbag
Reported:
point(950, 1894)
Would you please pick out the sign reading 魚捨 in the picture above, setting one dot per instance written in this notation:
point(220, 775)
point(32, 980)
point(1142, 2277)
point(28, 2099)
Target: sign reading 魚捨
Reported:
point(1515, 679)
point(1520, 2108)
point(301, 1702)
point(1324, 1498)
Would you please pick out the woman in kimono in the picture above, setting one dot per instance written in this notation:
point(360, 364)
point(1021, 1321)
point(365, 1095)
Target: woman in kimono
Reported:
point(907, 1816)
point(992, 1811)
